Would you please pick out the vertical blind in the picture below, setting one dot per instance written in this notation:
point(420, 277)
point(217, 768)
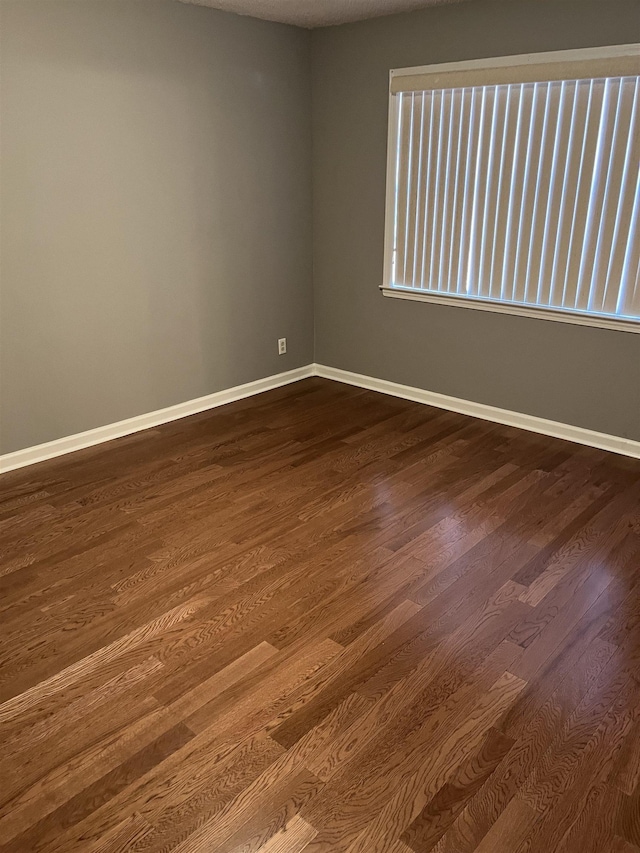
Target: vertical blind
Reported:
point(526, 194)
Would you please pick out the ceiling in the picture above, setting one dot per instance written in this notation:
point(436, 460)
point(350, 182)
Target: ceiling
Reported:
point(316, 13)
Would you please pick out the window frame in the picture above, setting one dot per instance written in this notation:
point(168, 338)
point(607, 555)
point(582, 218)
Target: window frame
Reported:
point(479, 303)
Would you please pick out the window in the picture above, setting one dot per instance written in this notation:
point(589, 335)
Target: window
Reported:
point(514, 186)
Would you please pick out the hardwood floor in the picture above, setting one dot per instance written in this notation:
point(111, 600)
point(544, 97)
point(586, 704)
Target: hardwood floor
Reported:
point(322, 619)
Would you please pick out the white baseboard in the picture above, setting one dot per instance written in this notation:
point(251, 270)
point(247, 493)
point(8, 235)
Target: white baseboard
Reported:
point(41, 452)
point(613, 443)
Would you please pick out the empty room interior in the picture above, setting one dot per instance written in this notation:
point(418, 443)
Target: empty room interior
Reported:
point(320, 426)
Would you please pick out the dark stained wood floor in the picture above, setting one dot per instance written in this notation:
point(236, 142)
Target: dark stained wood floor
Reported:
point(322, 619)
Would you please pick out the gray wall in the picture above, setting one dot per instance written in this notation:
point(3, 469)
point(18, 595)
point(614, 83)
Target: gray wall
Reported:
point(583, 376)
point(156, 209)
point(156, 214)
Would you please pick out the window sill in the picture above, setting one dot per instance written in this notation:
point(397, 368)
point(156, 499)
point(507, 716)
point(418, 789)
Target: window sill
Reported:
point(575, 318)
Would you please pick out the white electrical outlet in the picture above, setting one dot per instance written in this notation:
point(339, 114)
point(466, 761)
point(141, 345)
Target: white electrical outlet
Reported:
point(282, 346)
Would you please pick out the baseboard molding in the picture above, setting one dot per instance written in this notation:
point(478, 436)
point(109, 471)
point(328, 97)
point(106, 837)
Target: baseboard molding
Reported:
point(41, 452)
point(615, 444)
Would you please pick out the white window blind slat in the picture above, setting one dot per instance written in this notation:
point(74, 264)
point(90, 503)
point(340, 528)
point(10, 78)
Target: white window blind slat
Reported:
point(580, 197)
point(624, 214)
point(494, 246)
point(554, 200)
point(542, 158)
point(402, 183)
point(438, 193)
point(568, 190)
point(479, 189)
point(515, 180)
point(612, 192)
point(528, 193)
point(456, 206)
point(420, 212)
point(629, 297)
point(412, 189)
point(467, 178)
point(596, 199)
point(490, 189)
point(444, 234)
